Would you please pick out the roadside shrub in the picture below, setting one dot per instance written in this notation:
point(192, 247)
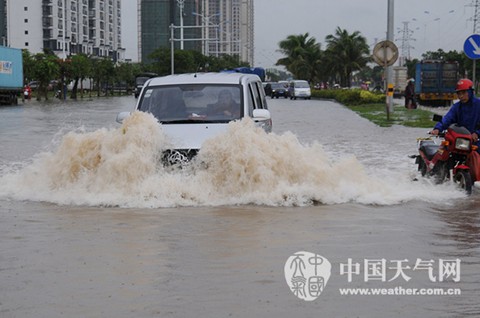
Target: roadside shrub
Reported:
point(350, 97)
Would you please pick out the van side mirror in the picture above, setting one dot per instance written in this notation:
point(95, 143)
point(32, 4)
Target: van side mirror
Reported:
point(261, 114)
point(121, 117)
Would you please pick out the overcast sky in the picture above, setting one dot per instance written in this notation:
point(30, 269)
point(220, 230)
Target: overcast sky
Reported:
point(434, 23)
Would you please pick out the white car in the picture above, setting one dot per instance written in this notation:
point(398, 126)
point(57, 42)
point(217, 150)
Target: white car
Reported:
point(195, 107)
point(299, 89)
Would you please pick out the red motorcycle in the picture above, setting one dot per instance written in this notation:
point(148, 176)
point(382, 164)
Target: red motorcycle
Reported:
point(447, 161)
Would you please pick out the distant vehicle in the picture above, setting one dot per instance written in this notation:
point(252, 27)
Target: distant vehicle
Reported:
point(399, 81)
point(276, 90)
point(11, 75)
point(140, 80)
point(193, 108)
point(435, 82)
point(267, 86)
point(299, 89)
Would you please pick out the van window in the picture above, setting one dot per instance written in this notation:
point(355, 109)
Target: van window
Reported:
point(262, 95)
point(258, 94)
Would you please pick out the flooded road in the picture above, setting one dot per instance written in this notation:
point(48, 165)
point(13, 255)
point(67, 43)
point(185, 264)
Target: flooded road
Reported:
point(98, 242)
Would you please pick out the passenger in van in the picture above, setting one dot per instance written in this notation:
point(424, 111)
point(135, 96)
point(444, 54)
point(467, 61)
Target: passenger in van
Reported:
point(225, 106)
point(168, 104)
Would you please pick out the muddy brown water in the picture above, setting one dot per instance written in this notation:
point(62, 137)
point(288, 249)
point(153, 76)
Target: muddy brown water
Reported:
point(80, 251)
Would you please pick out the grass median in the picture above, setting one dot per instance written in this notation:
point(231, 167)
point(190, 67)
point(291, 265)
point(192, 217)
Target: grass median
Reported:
point(377, 114)
point(372, 107)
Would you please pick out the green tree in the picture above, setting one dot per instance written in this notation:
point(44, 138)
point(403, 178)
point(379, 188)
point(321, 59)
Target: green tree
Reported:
point(411, 64)
point(44, 70)
point(303, 56)
point(190, 61)
point(126, 73)
point(80, 69)
point(102, 74)
point(28, 66)
point(346, 53)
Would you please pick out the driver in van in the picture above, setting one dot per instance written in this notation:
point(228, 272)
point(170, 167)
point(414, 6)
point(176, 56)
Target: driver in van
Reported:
point(225, 106)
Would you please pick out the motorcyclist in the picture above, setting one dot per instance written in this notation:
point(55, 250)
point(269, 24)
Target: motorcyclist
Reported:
point(466, 113)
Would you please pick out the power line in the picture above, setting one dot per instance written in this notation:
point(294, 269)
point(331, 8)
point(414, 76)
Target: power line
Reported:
point(406, 37)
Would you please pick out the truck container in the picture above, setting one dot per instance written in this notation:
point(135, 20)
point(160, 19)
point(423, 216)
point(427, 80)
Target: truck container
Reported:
point(435, 82)
point(259, 71)
point(11, 75)
point(400, 74)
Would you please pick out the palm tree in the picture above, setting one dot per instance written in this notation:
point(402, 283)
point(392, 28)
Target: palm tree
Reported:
point(302, 56)
point(346, 53)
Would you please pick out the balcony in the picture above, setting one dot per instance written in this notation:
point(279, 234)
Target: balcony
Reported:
point(47, 11)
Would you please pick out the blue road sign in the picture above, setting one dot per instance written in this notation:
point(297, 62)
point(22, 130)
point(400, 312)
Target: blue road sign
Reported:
point(471, 47)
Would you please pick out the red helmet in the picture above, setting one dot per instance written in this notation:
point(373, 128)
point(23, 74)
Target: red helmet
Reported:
point(464, 84)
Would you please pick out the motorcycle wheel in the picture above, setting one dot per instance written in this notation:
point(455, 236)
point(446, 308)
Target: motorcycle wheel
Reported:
point(422, 167)
point(464, 180)
point(440, 172)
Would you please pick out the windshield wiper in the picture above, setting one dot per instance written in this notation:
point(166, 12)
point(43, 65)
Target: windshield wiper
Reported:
point(188, 121)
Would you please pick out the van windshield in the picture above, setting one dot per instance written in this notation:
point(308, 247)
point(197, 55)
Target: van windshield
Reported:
point(301, 85)
point(193, 103)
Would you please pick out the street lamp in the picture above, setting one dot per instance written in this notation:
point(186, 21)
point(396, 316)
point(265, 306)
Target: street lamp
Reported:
point(206, 22)
point(218, 31)
point(181, 5)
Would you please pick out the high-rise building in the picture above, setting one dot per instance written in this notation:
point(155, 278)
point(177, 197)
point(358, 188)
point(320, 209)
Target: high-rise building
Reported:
point(154, 20)
point(231, 26)
point(214, 27)
point(65, 26)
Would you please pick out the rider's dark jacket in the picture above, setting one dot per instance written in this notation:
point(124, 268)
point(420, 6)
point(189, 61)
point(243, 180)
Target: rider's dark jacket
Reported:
point(464, 114)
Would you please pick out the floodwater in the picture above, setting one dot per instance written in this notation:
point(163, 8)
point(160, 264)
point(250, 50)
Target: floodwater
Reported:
point(92, 226)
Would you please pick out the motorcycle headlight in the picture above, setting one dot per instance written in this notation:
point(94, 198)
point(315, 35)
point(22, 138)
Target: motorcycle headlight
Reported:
point(462, 144)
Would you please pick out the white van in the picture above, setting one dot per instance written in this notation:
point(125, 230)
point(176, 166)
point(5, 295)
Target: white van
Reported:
point(300, 89)
point(192, 108)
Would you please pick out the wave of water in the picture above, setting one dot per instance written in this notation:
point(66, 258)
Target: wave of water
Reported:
point(120, 167)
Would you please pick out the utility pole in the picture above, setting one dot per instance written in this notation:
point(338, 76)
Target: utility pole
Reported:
point(389, 69)
point(476, 28)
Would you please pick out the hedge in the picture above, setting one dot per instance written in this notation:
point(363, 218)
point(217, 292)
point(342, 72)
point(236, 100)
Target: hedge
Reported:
point(350, 97)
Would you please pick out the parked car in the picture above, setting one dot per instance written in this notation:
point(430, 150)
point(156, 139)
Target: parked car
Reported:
point(195, 107)
point(299, 89)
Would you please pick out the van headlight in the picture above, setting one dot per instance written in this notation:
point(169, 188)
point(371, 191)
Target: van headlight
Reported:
point(462, 144)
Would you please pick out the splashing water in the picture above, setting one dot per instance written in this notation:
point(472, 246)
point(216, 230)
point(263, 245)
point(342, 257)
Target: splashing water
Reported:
point(245, 165)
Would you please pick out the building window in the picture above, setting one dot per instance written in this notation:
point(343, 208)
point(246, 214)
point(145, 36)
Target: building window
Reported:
point(25, 8)
point(26, 43)
point(26, 32)
point(26, 20)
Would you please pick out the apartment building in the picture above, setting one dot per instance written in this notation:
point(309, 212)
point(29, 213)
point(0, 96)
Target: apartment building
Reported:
point(214, 27)
point(65, 26)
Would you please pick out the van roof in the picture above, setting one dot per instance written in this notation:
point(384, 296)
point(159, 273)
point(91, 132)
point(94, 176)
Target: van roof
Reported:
point(203, 78)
